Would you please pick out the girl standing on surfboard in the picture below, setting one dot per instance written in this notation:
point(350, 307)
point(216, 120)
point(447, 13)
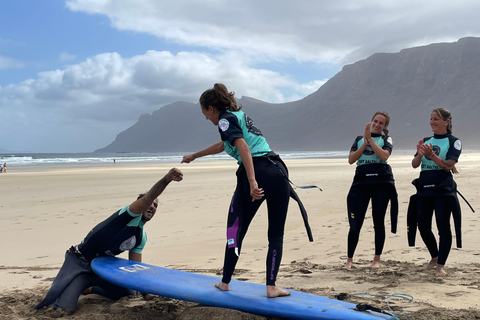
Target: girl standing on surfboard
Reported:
point(436, 190)
point(373, 180)
point(260, 176)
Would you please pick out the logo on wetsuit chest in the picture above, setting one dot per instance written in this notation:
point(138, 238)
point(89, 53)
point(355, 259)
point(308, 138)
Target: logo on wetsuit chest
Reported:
point(368, 150)
point(435, 150)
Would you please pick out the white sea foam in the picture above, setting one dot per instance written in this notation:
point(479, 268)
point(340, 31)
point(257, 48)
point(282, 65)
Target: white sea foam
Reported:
point(64, 159)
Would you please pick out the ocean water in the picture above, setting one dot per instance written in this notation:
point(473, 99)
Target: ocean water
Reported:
point(66, 159)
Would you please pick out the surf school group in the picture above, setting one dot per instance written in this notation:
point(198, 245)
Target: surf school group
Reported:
point(262, 176)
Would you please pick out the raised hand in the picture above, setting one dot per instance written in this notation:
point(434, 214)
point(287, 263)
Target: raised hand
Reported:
point(175, 175)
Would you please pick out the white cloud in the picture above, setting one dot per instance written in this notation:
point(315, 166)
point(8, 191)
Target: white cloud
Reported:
point(331, 31)
point(144, 83)
point(109, 91)
point(65, 57)
point(10, 63)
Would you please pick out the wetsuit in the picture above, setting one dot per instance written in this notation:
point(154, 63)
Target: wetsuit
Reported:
point(270, 174)
point(436, 191)
point(373, 180)
point(120, 232)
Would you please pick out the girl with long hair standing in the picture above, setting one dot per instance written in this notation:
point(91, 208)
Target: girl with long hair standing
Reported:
point(436, 190)
point(373, 181)
point(261, 176)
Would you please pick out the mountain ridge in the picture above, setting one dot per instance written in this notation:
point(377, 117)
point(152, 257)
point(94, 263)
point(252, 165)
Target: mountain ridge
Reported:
point(407, 84)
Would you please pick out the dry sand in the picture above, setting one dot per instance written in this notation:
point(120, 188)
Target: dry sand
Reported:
point(44, 210)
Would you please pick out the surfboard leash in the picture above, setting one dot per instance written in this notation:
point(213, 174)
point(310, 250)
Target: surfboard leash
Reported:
point(364, 307)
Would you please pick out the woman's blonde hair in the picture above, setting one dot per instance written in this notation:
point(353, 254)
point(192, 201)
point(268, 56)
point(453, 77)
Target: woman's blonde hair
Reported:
point(445, 115)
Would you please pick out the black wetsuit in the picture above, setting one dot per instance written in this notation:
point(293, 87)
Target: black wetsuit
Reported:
point(436, 191)
point(373, 181)
point(121, 231)
point(270, 174)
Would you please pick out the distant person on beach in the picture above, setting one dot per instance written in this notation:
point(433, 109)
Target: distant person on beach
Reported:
point(114, 161)
point(120, 232)
point(436, 190)
point(4, 167)
point(261, 175)
point(373, 181)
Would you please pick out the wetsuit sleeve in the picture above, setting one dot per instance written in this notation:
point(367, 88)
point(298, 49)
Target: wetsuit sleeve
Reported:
point(355, 144)
point(455, 149)
point(139, 248)
point(387, 145)
point(229, 128)
point(127, 209)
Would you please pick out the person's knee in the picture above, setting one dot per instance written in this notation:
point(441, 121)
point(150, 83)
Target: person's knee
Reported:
point(275, 240)
point(379, 227)
point(445, 232)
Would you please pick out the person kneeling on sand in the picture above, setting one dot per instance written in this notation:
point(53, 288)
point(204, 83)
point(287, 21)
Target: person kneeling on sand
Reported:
point(120, 232)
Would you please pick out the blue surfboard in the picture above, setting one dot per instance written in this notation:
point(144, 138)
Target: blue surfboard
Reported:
point(243, 296)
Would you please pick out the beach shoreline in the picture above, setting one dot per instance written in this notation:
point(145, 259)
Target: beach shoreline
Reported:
point(46, 209)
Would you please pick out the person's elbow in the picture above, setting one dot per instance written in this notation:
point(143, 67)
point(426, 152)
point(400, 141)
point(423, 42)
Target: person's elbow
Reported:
point(385, 155)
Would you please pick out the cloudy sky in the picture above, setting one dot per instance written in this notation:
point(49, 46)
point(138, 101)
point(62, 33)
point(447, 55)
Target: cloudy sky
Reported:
point(73, 74)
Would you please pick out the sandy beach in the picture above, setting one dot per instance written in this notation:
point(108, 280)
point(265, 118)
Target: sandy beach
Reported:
point(45, 210)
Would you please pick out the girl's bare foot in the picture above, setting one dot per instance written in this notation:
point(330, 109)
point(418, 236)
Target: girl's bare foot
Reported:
point(149, 297)
point(440, 270)
point(349, 263)
point(87, 291)
point(274, 292)
point(223, 286)
point(376, 262)
point(431, 265)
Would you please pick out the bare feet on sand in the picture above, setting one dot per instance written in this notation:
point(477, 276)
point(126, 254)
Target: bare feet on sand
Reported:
point(431, 265)
point(87, 291)
point(376, 262)
point(440, 270)
point(349, 263)
point(149, 297)
point(274, 292)
point(223, 286)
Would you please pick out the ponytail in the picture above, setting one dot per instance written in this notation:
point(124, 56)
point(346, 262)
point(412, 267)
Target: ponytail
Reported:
point(445, 115)
point(219, 98)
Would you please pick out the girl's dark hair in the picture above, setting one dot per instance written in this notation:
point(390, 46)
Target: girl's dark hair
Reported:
point(387, 120)
point(219, 98)
point(445, 115)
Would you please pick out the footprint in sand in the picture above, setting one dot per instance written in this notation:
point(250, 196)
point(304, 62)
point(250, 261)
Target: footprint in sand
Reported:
point(456, 293)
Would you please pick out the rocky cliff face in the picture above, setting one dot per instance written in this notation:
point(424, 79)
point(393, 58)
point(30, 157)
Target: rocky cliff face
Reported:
point(407, 84)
